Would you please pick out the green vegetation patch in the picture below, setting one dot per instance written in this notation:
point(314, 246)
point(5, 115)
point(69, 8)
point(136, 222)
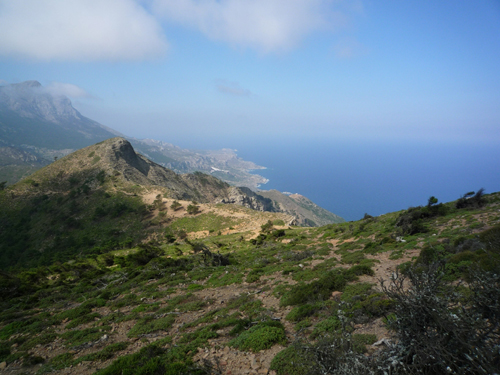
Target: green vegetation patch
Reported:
point(150, 323)
point(152, 360)
point(206, 221)
point(261, 336)
point(319, 290)
point(105, 354)
point(82, 222)
point(294, 361)
point(78, 337)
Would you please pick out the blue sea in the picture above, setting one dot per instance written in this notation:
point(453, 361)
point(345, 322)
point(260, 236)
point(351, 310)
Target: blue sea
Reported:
point(351, 178)
point(354, 178)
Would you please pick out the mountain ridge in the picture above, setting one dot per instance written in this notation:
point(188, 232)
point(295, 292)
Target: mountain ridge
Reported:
point(47, 125)
point(34, 121)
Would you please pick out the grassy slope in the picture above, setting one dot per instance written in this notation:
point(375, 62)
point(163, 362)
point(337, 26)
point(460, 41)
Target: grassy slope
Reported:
point(94, 309)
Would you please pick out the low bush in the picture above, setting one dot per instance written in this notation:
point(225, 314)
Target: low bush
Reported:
point(294, 360)
point(441, 329)
point(301, 312)
point(152, 360)
point(105, 354)
point(328, 326)
point(318, 290)
point(261, 336)
point(150, 323)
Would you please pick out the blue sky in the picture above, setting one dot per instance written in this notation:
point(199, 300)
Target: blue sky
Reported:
point(205, 72)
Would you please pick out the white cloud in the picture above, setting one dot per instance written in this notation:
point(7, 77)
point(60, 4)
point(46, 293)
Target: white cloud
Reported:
point(232, 88)
point(67, 89)
point(266, 25)
point(85, 30)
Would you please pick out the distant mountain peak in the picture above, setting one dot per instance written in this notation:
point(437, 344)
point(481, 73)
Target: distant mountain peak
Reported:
point(27, 84)
point(32, 115)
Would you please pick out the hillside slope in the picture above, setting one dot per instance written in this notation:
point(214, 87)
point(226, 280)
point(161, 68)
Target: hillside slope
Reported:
point(281, 301)
point(103, 197)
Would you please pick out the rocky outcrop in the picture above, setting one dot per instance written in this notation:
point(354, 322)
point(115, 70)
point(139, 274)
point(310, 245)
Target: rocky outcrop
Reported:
point(245, 197)
point(306, 212)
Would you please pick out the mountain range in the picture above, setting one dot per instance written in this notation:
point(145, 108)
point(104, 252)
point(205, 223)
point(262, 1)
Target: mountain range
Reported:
point(46, 125)
point(39, 127)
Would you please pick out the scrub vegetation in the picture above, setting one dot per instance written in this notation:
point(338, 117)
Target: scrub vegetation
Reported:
point(85, 285)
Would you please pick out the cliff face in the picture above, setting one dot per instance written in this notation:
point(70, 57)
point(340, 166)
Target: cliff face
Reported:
point(245, 197)
point(307, 213)
point(31, 115)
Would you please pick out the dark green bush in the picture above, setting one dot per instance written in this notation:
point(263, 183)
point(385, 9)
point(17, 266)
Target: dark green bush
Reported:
point(328, 326)
point(294, 360)
point(471, 200)
point(301, 312)
point(261, 336)
point(152, 360)
point(105, 354)
point(413, 220)
point(317, 290)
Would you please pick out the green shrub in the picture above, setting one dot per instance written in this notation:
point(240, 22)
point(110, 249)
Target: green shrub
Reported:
point(359, 342)
point(57, 363)
point(354, 257)
point(150, 324)
point(320, 290)
point(42, 339)
point(301, 312)
point(261, 336)
point(442, 330)
point(105, 354)
point(151, 360)
point(82, 320)
point(254, 275)
point(4, 350)
point(193, 287)
point(79, 337)
point(294, 361)
point(328, 326)
point(353, 290)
